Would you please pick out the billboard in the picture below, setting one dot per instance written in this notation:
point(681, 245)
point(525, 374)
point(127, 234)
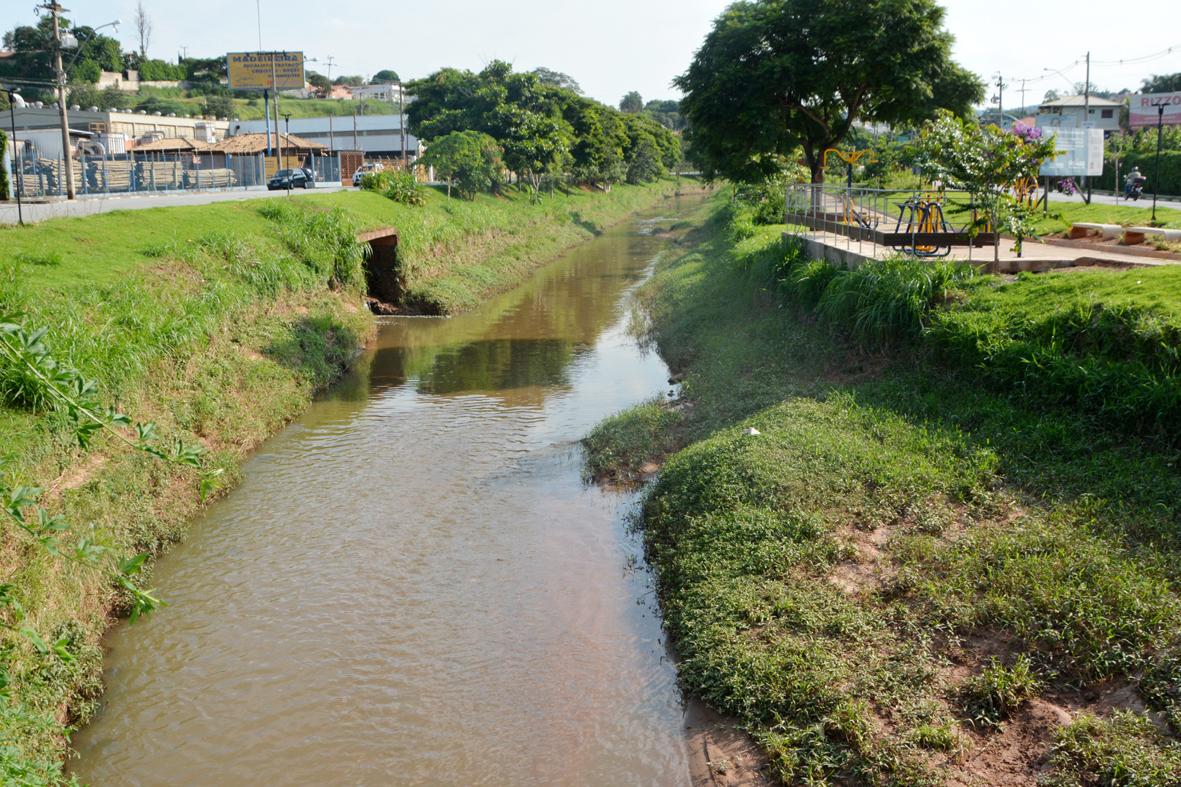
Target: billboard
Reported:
point(265, 70)
point(1080, 152)
point(1143, 112)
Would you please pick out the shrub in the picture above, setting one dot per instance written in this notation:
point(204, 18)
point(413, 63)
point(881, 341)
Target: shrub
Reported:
point(325, 241)
point(396, 185)
point(890, 299)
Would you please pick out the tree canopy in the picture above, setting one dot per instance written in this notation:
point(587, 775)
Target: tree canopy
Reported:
point(32, 57)
point(544, 129)
point(777, 76)
point(1162, 83)
point(557, 79)
point(385, 75)
point(631, 103)
point(320, 83)
point(468, 160)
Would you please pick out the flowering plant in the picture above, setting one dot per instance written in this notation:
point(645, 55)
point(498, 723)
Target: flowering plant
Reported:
point(1027, 133)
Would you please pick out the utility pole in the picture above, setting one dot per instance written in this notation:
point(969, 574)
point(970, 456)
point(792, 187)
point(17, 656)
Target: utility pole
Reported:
point(402, 122)
point(1087, 126)
point(287, 119)
point(18, 168)
point(55, 9)
point(1022, 91)
point(1160, 122)
point(1000, 99)
point(275, 101)
point(329, 62)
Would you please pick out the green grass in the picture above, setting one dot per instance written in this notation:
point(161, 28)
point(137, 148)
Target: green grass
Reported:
point(620, 446)
point(252, 109)
point(1125, 750)
point(898, 521)
point(997, 691)
point(218, 323)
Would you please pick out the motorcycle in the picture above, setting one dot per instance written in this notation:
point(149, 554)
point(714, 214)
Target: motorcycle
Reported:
point(1134, 190)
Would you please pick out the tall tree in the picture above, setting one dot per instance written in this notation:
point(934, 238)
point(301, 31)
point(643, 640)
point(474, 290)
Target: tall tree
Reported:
point(553, 78)
point(1162, 83)
point(631, 103)
point(320, 83)
point(774, 76)
point(385, 76)
point(469, 160)
point(143, 29)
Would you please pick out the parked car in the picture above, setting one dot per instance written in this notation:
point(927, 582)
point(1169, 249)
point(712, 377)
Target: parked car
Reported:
point(366, 169)
point(291, 179)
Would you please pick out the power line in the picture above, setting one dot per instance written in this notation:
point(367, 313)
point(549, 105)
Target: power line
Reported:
point(1141, 58)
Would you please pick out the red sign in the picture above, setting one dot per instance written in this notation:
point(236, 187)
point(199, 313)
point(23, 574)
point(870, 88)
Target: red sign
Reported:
point(1144, 109)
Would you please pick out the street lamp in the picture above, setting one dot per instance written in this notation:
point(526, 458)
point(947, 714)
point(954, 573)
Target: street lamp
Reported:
point(287, 121)
point(15, 100)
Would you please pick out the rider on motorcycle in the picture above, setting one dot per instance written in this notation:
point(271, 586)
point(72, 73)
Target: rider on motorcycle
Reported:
point(1134, 184)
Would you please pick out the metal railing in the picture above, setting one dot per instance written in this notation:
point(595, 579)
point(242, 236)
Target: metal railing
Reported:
point(925, 224)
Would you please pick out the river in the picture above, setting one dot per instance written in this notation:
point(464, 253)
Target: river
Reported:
point(413, 584)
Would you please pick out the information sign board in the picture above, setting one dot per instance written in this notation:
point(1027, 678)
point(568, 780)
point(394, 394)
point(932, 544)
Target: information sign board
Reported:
point(265, 70)
point(1080, 152)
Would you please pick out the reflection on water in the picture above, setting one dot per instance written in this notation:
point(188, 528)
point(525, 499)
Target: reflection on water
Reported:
point(413, 585)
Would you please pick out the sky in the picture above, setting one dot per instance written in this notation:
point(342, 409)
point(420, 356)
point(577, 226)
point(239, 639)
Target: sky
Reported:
point(613, 46)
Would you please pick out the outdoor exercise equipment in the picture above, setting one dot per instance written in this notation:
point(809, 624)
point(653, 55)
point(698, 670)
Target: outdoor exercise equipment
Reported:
point(923, 216)
point(849, 212)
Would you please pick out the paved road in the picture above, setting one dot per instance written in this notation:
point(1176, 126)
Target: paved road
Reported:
point(1108, 199)
point(88, 205)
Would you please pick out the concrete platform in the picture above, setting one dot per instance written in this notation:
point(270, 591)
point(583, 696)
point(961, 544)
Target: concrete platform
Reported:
point(850, 253)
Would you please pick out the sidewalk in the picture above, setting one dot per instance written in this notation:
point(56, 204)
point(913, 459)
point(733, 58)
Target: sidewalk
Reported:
point(1170, 202)
point(91, 204)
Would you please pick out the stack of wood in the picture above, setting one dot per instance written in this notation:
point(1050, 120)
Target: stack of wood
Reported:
point(160, 175)
point(210, 178)
point(113, 175)
point(56, 174)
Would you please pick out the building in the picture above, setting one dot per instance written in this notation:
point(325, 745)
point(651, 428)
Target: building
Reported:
point(129, 81)
point(341, 93)
point(387, 92)
point(1072, 112)
point(114, 128)
point(374, 135)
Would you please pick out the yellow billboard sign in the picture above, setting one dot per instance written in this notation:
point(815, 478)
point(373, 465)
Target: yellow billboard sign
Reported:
point(265, 70)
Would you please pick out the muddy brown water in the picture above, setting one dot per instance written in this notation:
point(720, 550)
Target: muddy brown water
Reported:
point(413, 585)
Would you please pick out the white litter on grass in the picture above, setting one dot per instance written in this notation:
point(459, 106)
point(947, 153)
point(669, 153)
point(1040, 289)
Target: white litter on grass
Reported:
point(751, 431)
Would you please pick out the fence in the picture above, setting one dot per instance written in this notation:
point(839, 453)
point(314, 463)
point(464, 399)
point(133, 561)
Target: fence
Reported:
point(919, 224)
point(138, 173)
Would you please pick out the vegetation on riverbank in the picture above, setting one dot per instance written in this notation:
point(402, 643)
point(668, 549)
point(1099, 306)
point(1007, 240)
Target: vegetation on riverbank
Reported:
point(893, 555)
point(453, 253)
point(217, 324)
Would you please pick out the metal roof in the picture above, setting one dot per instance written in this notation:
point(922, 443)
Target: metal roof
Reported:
point(1079, 101)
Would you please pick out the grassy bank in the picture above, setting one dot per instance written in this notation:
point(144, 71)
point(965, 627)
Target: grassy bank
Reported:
point(217, 324)
point(888, 565)
point(1063, 214)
